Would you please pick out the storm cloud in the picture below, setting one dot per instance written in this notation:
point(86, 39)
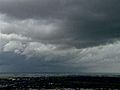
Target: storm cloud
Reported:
point(77, 35)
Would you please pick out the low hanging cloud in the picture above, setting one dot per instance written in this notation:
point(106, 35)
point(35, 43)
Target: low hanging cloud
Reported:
point(91, 57)
point(16, 37)
point(35, 29)
point(53, 35)
point(86, 58)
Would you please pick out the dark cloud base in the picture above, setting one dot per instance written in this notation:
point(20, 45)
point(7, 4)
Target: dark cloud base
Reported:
point(53, 27)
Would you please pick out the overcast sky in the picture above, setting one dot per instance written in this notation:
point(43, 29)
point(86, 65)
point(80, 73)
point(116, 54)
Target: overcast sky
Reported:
point(60, 36)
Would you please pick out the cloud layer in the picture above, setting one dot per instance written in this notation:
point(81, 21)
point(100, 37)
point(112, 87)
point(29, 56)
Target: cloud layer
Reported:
point(88, 59)
point(81, 36)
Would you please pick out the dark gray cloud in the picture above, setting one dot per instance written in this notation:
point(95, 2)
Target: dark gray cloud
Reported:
point(31, 8)
point(71, 34)
point(85, 22)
